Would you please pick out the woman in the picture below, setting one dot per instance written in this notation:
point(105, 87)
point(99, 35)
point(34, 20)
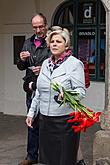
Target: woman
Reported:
point(58, 142)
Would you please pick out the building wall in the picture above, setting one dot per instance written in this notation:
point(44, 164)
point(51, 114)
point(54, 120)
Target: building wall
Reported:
point(47, 7)
point(15, 20)
point(1, 74)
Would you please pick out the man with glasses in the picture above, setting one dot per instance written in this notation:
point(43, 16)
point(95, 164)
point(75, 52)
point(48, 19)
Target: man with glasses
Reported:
point(34, 52)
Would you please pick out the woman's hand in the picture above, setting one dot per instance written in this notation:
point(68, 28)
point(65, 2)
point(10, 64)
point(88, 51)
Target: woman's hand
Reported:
point(29, 121)
point(60, 96)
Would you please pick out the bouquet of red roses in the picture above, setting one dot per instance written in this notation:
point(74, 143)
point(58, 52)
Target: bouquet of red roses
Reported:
point(82, 115)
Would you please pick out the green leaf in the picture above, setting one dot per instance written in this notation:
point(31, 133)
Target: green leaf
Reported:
point(73, 99)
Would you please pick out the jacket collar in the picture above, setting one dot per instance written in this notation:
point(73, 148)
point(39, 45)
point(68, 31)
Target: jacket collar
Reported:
point(43, 42)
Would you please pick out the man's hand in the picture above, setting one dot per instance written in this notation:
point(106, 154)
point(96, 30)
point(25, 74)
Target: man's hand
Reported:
point(24, 55)
point(36, 69)
point(29, 121)
point(30, 85)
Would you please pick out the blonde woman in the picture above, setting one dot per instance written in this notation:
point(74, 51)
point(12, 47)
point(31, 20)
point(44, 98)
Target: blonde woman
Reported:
point(58, 143)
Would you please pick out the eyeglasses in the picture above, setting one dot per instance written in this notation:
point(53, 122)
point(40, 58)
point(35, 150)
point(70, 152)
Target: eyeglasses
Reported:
point(39, 27)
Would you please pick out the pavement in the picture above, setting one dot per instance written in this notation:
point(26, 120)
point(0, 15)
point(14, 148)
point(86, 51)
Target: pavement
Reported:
point(13, 137)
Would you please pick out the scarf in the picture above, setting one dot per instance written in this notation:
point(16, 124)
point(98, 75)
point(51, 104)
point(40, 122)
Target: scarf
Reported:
point(53, 65)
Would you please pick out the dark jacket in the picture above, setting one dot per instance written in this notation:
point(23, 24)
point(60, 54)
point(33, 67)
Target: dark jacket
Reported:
point(37, 56)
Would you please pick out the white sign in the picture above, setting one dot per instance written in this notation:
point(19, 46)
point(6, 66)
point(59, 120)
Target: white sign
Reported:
point(87, 12)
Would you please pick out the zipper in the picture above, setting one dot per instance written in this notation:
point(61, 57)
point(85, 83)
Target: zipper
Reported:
point(49, 92)
point(49, 100)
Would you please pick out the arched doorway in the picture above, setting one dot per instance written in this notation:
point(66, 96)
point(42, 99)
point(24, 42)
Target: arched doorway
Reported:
point(86, 21)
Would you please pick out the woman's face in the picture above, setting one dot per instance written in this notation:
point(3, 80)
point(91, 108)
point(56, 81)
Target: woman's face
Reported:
point(57, 45)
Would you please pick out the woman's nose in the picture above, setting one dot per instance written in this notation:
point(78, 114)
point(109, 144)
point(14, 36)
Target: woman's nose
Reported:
point(54, 43)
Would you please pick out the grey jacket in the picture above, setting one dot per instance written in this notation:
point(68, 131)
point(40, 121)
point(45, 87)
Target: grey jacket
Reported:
point(70, 75)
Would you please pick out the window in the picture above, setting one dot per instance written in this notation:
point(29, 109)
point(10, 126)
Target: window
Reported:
point(17, 46)
point(86, 48)
point(102, 14)
point(64, 15)
point(102, 54)
point(87, 29)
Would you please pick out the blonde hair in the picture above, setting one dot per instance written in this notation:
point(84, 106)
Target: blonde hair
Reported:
point(63, 32)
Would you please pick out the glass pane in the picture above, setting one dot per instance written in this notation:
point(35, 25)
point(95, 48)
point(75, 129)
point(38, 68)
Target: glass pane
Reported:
point(102, 53)
point(102, 14)
point(65, 16)
point(71, 38)
point(87, 14)
point(87, 48)
point(18, 42)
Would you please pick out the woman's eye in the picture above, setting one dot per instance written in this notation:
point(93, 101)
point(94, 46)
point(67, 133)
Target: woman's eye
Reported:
point(55, 41)
point(51, 41)
point(58, 41)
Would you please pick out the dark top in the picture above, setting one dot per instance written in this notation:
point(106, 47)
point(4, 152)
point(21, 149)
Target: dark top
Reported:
point(37, 56)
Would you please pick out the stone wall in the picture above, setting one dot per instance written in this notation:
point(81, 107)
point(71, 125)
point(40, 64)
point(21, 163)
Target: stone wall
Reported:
point(101, 146)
